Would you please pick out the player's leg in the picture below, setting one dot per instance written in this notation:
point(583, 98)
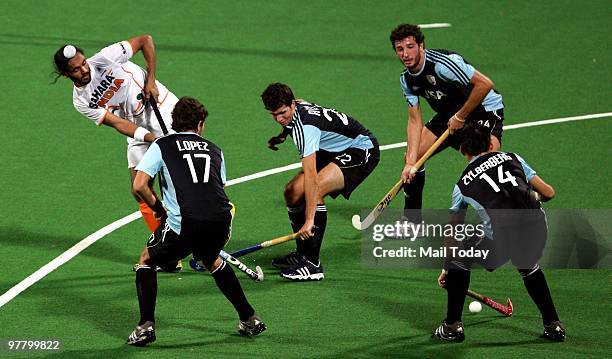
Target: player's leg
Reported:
point(147, 213)
point(162, 246)
point(308, 266)
point(207, 250)
point(413, 191)
point(530, 242)
point(456, 283)
point(294, 199)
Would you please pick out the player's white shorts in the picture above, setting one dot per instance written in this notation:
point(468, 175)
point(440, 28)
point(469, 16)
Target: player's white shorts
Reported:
point(137, 149)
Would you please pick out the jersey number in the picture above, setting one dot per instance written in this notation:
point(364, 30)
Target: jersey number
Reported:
point(339, 115)
point(192, 169)
point(500, 178)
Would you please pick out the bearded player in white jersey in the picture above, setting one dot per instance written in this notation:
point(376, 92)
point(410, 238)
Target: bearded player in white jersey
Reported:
point(111, 90)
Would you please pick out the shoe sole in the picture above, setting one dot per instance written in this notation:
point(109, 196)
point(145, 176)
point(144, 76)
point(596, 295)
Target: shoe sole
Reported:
point(143, 342)
point(312, 277)
point(260, 328)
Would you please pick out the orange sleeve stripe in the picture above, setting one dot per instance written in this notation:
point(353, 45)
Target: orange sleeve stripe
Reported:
point(131, 74)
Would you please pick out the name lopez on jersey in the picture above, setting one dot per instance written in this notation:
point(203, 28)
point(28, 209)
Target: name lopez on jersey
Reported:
point(186, 145)
point(490, 163)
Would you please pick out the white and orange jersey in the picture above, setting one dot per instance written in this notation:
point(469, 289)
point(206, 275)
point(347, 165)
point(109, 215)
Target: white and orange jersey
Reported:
point(117, 86)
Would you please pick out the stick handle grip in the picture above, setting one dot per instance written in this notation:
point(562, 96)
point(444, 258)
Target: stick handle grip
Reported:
point(162, 124)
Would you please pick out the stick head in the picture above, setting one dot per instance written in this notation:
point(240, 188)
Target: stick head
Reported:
point(260, 274)
point(357, 222)
point(511, 308)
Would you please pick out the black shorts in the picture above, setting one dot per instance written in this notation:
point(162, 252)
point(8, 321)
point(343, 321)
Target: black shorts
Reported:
point(521, 243)
point(202, 239)
point(492, 120)
point(356, 164)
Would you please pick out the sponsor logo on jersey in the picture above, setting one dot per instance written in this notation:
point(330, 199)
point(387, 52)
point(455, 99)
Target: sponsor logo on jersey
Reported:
point(431, 79)
point(105, 91)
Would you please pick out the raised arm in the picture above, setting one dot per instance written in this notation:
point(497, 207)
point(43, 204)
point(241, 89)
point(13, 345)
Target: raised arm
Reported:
point(145, 44)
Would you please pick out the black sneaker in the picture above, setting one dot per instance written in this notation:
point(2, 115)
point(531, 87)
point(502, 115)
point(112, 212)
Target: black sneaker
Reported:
point(554, 331)
point(305, 270)
point(288, 261)
point(450, 333)
point(142, 335)
point(252, 327)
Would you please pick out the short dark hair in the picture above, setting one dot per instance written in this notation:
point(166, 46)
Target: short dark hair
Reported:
point(187, 114)
point(60, 62)
point(475, 139)
point(402, 31)
point(277, 95)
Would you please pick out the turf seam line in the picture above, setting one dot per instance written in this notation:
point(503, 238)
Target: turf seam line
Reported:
point(94, 237)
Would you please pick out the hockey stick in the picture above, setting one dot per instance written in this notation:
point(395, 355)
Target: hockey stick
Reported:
point(153, 104)
point(256, 275)
point(503, 309)
point(271, 242)
point(386, 200)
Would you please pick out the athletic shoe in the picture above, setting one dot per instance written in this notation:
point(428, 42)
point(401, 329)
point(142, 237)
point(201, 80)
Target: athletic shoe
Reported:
point(450, 333)
point(197, 265)
point(252, 327)
point(288, 261)
point(142, 335)
point(554, 331)
point(305, 270)
point(169, 268)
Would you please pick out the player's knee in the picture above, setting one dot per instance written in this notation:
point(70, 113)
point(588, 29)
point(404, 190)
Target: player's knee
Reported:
point(216, 264)
point(144, 259)
point(293, 195)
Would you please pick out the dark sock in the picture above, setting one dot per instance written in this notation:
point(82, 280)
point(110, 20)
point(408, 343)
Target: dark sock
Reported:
point(537, 287)
point(313, 244)
point(296, 216)
point(413, 197)
point(230, 287)
point(457, 284)
point(146, 288)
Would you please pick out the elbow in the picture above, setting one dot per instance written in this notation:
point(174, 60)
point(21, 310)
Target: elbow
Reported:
point(551, 193)
point(138, 190)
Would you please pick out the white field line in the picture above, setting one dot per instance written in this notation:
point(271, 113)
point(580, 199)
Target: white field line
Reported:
point(436, 25)
point(92, 238)
point(526, 124)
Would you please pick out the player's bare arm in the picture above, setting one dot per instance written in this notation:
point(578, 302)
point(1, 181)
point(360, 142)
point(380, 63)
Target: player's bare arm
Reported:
point(542, 190)
point(413, 136)
point(143, 190)
point(481, 87)
point(126, 127)
point(145, 44)
point(311, 194)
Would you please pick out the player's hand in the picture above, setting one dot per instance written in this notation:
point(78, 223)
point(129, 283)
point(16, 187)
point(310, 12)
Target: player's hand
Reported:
point(150, 90)
point(276, 140)
point(442, 279)
point(407, 173)
point(159, 211)
point(455, 123)
point(307, 230)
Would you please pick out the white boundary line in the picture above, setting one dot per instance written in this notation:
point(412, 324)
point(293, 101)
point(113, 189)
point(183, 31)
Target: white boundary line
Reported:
point(92, 238)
